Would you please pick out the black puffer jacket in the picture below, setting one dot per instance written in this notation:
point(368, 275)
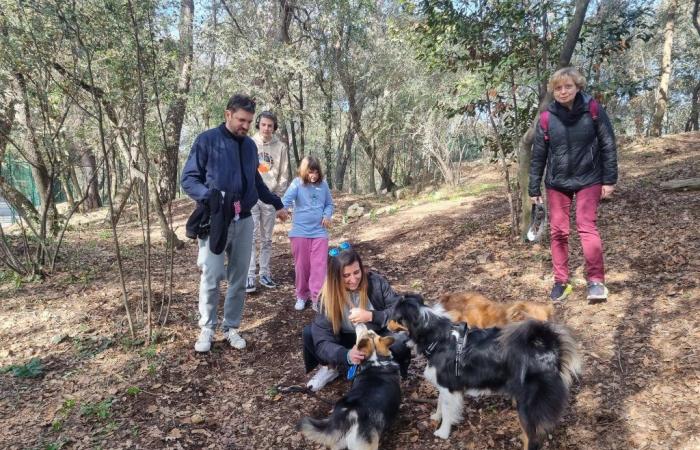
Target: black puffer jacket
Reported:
point(327, 345)
point(576, 156)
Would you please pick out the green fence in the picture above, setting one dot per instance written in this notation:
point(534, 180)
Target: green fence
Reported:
point(19, 175)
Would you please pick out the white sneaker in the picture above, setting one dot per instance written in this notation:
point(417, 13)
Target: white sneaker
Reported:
point(300, 304)
point(235, 339)
point(324, 376)
point(203, 343)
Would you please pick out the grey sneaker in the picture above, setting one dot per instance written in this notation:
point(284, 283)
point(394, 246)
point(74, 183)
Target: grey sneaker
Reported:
point(266, 281)
point(597, 292)
point(250, 285)
point(560, 291)
point(315, 306)
point(324, 376)
point(203, 343)
point(235, 339)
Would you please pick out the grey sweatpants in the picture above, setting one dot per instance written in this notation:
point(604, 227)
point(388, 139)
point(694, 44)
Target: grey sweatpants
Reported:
point(238, 247)
point(264, 219)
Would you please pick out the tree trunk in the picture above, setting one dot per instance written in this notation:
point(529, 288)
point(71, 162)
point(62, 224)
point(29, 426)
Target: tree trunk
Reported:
point(692, 123)
point(525, 146)
point(176, 110)
point(372, 183)
point(666, 66)
point(65, 184)
point(328, 123)
point(343, 156)
point(301, 117)
point(297, 158)
point(89, 164)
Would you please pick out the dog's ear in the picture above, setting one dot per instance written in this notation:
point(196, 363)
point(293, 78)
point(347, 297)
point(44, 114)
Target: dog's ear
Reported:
point(365, 346)
point(383, 344)
point(395, 326)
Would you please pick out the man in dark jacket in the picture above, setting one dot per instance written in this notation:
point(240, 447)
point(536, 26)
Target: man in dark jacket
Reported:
point(579, 152)
point(221, 175)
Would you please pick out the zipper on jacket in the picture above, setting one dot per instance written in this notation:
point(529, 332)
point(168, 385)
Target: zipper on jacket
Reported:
point(569, 171)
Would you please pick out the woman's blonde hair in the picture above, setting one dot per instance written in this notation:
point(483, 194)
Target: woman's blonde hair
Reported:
point(567, 72)
point(334, 296)
point(310, 164)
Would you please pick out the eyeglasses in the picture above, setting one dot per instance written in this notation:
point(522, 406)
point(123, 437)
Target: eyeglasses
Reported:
point(335, 251)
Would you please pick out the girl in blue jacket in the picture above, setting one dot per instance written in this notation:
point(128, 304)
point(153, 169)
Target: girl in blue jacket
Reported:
point(311, 199)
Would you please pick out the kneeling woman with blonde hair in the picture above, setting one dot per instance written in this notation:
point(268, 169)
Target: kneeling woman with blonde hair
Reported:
point(350, 296)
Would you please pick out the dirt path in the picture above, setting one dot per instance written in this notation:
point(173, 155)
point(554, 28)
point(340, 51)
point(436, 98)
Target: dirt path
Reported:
point(640, 387)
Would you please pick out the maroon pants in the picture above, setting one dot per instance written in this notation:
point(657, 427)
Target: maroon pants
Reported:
point(559, 203)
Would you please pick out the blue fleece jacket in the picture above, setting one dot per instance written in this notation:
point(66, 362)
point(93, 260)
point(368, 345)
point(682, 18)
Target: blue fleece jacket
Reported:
point(219, 160)
point(312, 202)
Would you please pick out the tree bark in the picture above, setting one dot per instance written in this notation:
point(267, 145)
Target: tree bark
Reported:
point(175, 116)
point(666, 66)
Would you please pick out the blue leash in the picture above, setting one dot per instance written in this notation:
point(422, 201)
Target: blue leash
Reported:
point(352, 371)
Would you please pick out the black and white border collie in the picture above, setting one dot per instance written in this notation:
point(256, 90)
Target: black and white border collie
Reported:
point(360, 418)
point(532, 362)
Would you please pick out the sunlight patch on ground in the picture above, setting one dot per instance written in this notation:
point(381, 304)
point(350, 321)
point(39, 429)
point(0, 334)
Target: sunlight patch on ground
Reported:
point(252, 324)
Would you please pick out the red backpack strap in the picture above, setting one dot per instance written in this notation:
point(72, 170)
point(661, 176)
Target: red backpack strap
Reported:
point(544, 124)
point(593, 108)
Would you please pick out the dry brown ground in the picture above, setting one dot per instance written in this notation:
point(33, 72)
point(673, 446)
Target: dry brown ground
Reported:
point(640, 387)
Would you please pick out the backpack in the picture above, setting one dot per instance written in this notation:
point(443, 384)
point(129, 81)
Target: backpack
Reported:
point(544, 117)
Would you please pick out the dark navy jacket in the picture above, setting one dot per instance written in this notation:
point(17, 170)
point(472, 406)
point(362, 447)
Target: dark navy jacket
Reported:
point(576, 156)
point(217, 161)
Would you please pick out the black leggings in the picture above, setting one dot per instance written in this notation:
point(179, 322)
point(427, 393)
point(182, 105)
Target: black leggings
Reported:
point(401, 353)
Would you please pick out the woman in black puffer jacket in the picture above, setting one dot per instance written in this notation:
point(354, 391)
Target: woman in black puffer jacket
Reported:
point(575, 142)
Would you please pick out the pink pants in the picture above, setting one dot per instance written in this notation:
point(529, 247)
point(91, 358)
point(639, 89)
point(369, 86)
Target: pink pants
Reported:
point(310, 259)
point(559, 203)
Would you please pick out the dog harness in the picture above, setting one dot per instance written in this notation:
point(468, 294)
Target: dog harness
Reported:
point(382, 361)
point(462, 329)
point(461, 344)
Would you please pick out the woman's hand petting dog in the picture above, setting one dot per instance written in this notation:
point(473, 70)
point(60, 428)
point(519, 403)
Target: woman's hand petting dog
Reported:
point(355, 356)
point(359, 315)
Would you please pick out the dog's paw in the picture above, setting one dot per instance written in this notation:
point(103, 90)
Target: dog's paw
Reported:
point(442, 432)
point(436, 417)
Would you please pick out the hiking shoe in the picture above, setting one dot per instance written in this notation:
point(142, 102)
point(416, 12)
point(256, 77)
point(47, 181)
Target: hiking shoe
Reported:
point(203, 343)
point(300, 304)
point(560, 291)
point(597, 292)
point(324, 376)
point(235, 339)
point(250, 285)
point(266, 281)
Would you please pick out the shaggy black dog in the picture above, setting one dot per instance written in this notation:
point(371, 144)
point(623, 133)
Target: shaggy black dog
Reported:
point(532, 362)
point(366, 411)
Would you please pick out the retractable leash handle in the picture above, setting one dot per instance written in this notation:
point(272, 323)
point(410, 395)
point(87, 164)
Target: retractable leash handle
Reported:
point(352, 371)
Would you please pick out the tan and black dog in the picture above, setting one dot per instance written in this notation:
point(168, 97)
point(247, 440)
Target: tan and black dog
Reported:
point(480, 312)
point(366, 411)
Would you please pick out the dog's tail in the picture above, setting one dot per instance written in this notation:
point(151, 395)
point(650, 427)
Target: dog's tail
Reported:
point(328, 431)
point(547, 359)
